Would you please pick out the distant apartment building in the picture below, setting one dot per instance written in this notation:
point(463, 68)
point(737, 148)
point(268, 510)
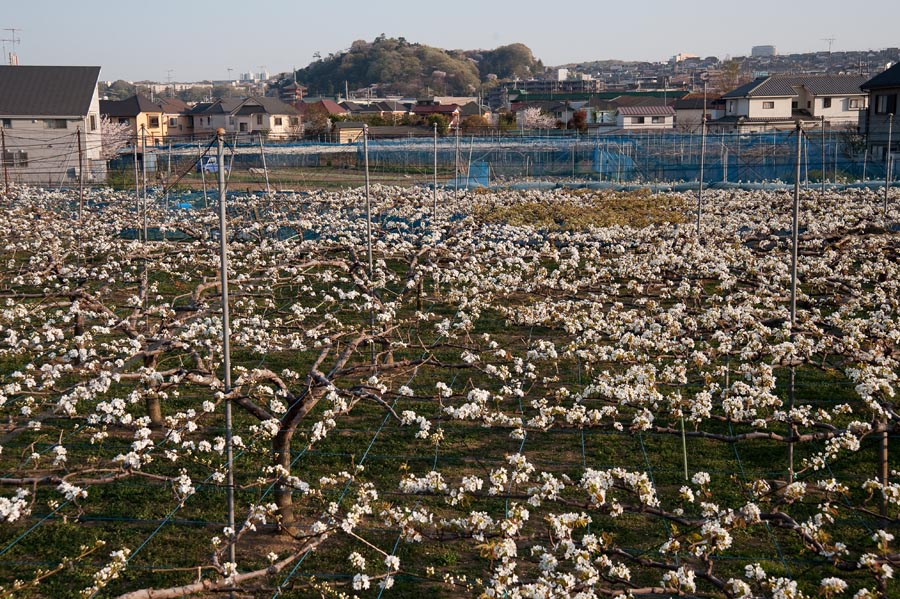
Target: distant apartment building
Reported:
point(758, 51)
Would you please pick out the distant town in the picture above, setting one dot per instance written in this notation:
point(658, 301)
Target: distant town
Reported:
point(396, 89)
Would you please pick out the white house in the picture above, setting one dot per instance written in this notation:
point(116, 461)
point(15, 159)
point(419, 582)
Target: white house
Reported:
point(269, 117)
point(780, 101)
point(645, 117)
point(45, 111)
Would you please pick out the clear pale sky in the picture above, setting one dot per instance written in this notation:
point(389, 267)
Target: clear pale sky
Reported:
point(202, 39)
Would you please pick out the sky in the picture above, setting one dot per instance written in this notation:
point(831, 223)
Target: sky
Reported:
point(191, 41)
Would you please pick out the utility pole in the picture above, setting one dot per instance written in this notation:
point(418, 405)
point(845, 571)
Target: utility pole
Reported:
point(889, 166)
point(702, 159)
point(434, 191)
point(226, 344)
point(823, 154)
point(144, 178)
point(80, 173)
point(5, 161)
point(456, 178)
point(795, 239)
point(262, 153)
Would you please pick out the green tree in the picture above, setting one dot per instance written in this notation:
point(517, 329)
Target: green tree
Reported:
point(442, 122)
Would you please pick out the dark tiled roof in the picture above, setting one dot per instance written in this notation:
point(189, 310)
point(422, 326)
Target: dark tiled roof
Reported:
point(130, 107)
point(646, 110)
point(833, 86)
point(695, 102)
point(173, 105)
point(889, 78)
point(47, 91)
point(639, 101)
point(786, 86)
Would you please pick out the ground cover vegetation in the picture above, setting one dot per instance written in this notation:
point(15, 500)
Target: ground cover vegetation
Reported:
point(523, 394)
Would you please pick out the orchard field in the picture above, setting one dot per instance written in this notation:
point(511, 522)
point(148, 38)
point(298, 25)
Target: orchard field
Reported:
point(548, 394)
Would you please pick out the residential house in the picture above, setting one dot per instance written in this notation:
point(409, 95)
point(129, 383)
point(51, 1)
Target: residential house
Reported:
point(144, 117)
point(689, 110)
point(879, 121)
point(451, 111)
point(348, 132)
point(252, 116)
point(175, 115)
point(781, 101)
point(45, 111)
point(645, 117)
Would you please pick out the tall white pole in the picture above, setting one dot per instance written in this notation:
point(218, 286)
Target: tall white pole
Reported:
point(823, 154)
point(262, 153)
point(795, 239)
point(702, 159)
point(202, 175)
point(434, 191)
point(144, 178)
point(226, 341)
point(368, 201)
point(456, 178)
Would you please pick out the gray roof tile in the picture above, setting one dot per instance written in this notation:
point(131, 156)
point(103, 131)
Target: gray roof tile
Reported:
point(888, 78)
point(47, 90)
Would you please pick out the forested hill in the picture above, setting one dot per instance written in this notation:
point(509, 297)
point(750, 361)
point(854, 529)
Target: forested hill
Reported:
point(402, 67)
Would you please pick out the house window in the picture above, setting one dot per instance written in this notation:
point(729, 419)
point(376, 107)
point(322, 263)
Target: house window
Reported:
point(7, 123)
point(278, 121)
point(93, 122)
point(768, 105)
point(173, 121)
point(243, 127)
point(659, 119)
point(231, 121)
point(294, 121)
point(56, 124)
point(732, 106)
point(637, 120)
point(826, 102)
point(123, 121)
point(886, 104)
point(259, 119)
point(153, 122)
point(854, 103)
point(15, 158)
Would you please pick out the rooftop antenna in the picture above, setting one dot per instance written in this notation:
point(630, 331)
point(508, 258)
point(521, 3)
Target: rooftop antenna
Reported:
point(13, 40)
point(830, 41)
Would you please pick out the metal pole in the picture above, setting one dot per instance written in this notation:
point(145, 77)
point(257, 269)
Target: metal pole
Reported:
point(823, 154)
point(434, 191)
point(887, 171)
point(262, 153)
point(456, 178)
point(226, 341)
point(80, 174)
point(136, 179)
point(144, 178)
point(202, 175)
point(4, 161)
point(702, 160)
point(168, 172)
point(368, 202)
point(795, 239)
point(369, 235)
